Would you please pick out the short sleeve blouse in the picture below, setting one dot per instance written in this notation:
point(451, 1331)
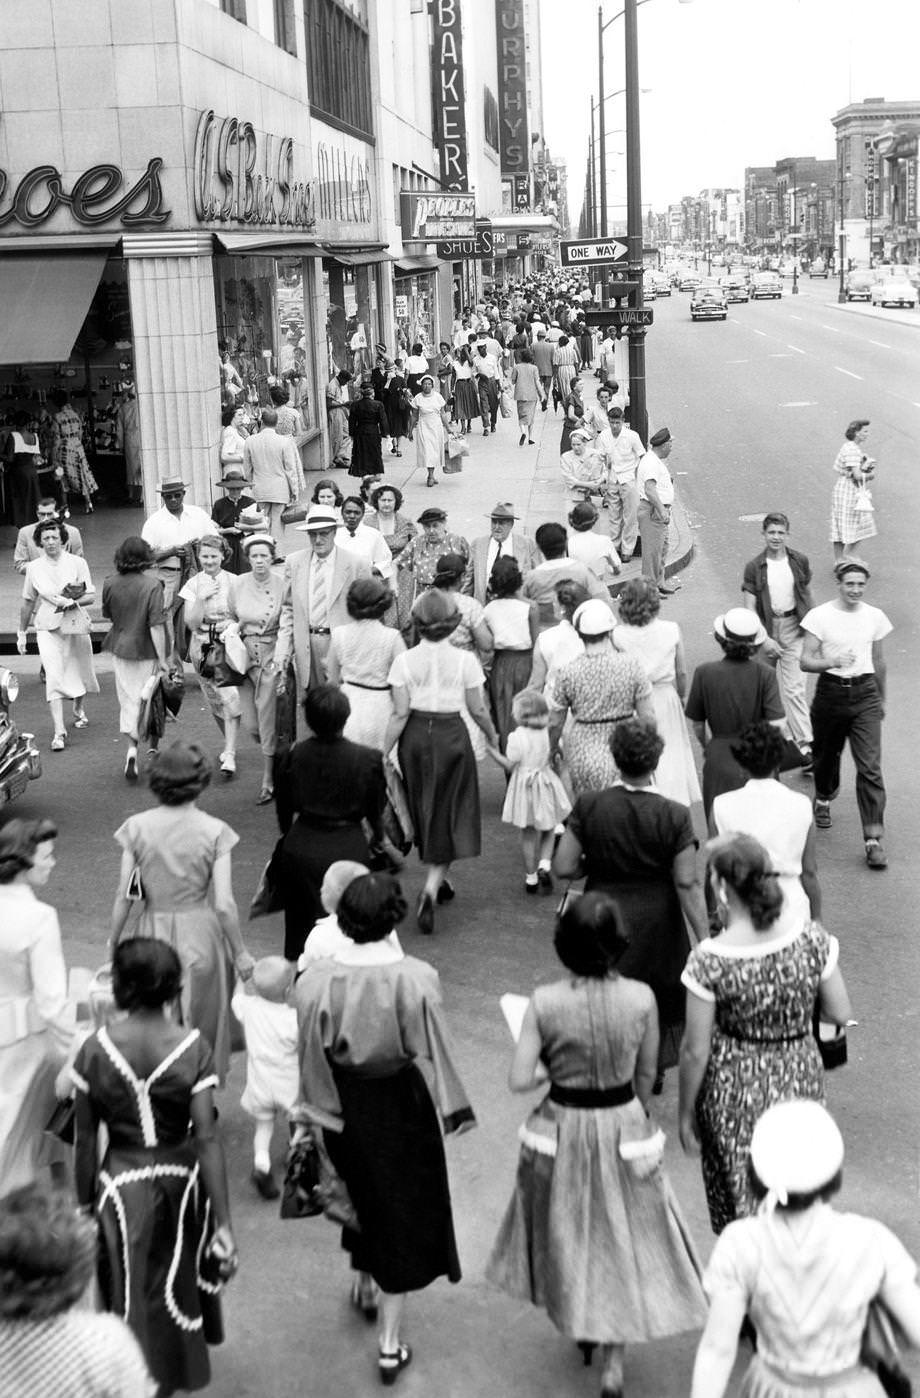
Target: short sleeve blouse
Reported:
point(216, 607)
point(437, 676)
point(256, 610)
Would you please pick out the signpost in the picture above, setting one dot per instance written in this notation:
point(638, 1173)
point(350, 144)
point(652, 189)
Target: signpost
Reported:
point(592, 251)
point(637, 318)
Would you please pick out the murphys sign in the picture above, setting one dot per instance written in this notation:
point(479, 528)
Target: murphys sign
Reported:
point(240, 177)
point(512, 87)
point(450, 101)
point(431, 216)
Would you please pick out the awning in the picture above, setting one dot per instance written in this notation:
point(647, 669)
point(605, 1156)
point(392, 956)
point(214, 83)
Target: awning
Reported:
point(354, 259)
point(423, 263)
point(269, 244)
point(45, 300)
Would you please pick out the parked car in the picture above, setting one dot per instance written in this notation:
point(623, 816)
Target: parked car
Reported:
point(708, 303)
point(20, 760)
point(765, 285)
point(859, 285)
point(689, 281)
point(788, 267)
point(661, 284)
point(735, 287)
point(818, 268)
point(894, 291)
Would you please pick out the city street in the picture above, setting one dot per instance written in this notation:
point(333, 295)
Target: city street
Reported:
point(757, 407)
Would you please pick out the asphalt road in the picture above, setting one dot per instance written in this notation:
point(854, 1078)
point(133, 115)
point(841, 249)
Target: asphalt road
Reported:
point(727, 391)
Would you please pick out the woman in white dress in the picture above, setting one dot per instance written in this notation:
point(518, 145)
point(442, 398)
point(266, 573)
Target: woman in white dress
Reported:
point(56, 589)
point(36, 1020)
point(658, 647)
point(206, 596)
point(430, 424)
point(359, 660)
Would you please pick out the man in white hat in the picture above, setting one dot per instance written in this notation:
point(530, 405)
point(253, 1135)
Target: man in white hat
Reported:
point(316, 580)
point(271, 462)
point(502, 541)
point(171, 531)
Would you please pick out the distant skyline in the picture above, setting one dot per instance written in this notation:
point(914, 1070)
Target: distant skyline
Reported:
point(732, 83)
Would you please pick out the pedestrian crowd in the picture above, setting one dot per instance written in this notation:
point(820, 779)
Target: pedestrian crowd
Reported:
point(415, 655)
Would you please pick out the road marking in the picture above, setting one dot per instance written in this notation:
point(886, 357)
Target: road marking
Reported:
point(849, 373)
point(750, 519)
point(804, 403)
point(761, 332)
point(832, 327)
point(779, 354)
point(796, 348)
point(879, 343)
point(737, 361)
point(792, 317)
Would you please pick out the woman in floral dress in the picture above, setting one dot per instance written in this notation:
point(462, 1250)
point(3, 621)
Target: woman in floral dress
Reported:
point(749, 1040)
point(599, 689)
point(67, 452)
point(421, 554)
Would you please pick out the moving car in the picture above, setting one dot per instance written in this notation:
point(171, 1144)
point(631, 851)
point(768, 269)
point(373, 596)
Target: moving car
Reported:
point(708, 303)
point(893, 291)
point(735, 286)
point(661, 284)
point(689, 281)
point(20, 760)
point(818, 269)
point(788, 267)
point(765, 285)
point(859, 285)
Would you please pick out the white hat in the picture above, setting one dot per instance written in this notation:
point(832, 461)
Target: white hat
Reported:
point(319, 517)
point(796, 1148)
point(740, 624)
point(593, 618)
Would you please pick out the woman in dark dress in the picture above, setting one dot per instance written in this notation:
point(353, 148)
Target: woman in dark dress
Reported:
point(21, 456)
point(378, 1076)
point(367, 427)
point(726, 696)
point(639, 847)
point(324, 788)
point(160, 1194)
point(396, 404)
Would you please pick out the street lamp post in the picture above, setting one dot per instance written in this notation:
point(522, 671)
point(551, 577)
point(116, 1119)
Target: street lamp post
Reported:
point(841, 244)
point(638, 408)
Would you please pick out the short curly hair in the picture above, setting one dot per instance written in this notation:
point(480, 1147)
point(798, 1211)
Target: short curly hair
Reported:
point(371, 906)
point(506, 578)
point(326, 709)
point(179, 773)
point(146, 974)
point(639, 602)
point(19, 839)
point(397, 494)
point(636, 746)
point(47, 1253)
point(212, 541)
point(133, 555)
point(759, 749)
point(367, 599)
point(43, 527)
point(590, 936)
point(326, 484)
point(570, 595)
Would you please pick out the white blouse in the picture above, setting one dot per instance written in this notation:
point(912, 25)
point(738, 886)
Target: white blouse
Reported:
point(437, 676)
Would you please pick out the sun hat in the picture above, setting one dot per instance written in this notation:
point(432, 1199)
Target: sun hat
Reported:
point(593, 618)
point(796, 1148)
point(739, 624)
point(272, 977)
point(252, 519)
point(172, 483)
point(851, 565)
point(503, 510)
point(233, 478)
point(424, 377)
point(319, 517)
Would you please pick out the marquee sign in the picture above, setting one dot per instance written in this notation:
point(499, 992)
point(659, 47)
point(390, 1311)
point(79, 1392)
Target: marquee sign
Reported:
point(450, 100)
point(241, 177)
point(514, 145)
point(430, 216)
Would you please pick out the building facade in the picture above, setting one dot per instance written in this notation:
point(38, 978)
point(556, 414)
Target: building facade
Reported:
point(876, 178)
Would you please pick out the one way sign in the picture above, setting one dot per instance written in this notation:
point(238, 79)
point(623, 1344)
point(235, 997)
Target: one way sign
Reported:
point(592, 250)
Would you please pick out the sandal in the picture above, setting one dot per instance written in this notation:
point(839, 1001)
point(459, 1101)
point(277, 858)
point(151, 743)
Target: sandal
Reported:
point(57, 742)
point(391, 1364)
point(79, 719)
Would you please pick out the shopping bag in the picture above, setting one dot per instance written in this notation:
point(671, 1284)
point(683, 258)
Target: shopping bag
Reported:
point(505, 403)
point(457, 447)
point(76, 622)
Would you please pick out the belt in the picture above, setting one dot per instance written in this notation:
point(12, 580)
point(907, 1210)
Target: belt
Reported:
point(618, 718)
point(318, 822)
point(169, 567)
point(785, 614)
point(320, 631)
point(754, 1039)
point(847, 681)
point(589, 1097)
point(429, 713)
point(376, 688)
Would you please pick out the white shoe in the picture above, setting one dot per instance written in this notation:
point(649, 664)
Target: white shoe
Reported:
point(228, 764)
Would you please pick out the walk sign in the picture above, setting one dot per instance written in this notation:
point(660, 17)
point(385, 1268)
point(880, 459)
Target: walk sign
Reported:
point(630, 316)
point(592, 250)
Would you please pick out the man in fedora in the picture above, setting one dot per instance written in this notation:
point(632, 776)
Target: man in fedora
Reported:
point(316, 583)
point(226, 515)
point(656, 496)
point(502, 541)
point(271, 462)
point(171, 532)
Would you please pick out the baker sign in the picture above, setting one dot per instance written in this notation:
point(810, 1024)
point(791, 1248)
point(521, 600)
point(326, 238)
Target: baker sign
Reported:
point(594, 250)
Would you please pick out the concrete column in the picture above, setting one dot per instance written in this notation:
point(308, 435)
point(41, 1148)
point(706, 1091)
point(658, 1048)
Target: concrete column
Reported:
point(174, 319)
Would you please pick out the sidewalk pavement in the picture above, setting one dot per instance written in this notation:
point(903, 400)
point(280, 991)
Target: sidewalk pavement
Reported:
point(496, 469)
point(890, 314)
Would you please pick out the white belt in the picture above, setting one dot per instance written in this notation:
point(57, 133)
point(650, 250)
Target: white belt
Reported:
point(18, 1019)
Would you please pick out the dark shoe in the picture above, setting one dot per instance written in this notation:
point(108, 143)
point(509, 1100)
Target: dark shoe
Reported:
point(626, 557)
point(876, 858)
point(587, 1348)
point(531, 888)
point(390, 1365)
point(264, 1182)
point(522, 439)
point(446, 893)
point(265, 796)
point(544, 882)
point(131, 767)
point(658, 1085)
point(823, 815)
point(364, 1299)
point(424, 913)
point(668, 587)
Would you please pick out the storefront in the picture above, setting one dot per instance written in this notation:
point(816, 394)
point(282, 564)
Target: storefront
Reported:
point(415, 303)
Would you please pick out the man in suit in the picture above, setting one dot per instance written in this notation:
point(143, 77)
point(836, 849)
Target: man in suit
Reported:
point(316, 580)
point(271, 462)
point(27, 549)
point(503, 541)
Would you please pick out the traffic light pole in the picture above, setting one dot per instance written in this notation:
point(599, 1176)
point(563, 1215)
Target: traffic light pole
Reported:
point(638, 410)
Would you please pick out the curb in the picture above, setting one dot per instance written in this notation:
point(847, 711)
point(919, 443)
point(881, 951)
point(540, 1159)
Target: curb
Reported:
point(866, 312)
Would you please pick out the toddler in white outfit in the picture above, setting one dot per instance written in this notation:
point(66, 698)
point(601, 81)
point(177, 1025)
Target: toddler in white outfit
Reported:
point(272, 1071)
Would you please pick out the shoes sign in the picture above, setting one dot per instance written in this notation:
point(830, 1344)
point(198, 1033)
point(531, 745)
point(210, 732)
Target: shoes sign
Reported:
point(592, 250)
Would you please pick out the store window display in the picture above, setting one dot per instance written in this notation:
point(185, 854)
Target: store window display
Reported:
point(262, 329)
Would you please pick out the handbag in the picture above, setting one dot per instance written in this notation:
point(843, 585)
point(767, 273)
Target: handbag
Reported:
point(75, 622)
point(505, 402)
point(299, 1196)
point(863, 500)
point(453, 465)
point(457, 447)
point(62, 1121)
point(833, 1051)
point(397, 819)
point(880, 1352)
point(268, 896)
point(215, 665)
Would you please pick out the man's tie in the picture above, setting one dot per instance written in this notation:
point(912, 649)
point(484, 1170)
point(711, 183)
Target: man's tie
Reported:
point(319, 601)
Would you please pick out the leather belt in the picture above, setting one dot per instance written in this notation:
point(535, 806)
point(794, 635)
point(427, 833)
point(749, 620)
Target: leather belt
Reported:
point(785, 614)
point(847, 681)
point(320, 631)
point(589, 1098)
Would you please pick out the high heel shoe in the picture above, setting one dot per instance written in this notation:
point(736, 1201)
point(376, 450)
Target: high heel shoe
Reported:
point(424, 913)
point(587, 1348)
point(446, 892)
point(364, 1299)
point(390, 1365)
point(266, 796)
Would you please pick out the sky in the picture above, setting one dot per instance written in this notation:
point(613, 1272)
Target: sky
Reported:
point(732, 83)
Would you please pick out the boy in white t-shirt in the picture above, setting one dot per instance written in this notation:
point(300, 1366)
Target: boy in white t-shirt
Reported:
point(269, 1022)
point(843, 646)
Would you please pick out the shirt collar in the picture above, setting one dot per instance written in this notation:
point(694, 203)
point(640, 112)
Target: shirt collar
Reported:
point(370, 953)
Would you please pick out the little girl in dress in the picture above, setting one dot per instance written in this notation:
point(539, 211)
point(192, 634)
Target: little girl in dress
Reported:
point(269, 1022)
point(535, 800)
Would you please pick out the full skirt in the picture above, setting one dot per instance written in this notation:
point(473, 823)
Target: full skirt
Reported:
point(675, 776)
point(27, 1071)
point(849, 525)
point(130, 678)
point(370, 714)
point(68, 662)
point(607, 1256)
point(429, 442)
point(535, 798)
point(466, 400)
point(366, 455)
point(508, 676)
point(442, 787)
point(391, 1156)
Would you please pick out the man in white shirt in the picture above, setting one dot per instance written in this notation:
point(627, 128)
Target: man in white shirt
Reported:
point(622, 451)
point(271, 463)
point(843, 647)
point(365, 543)
point(503, 541)
point(27, 549)
point(171, 532)
point(656, 496)
point(485, 367)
